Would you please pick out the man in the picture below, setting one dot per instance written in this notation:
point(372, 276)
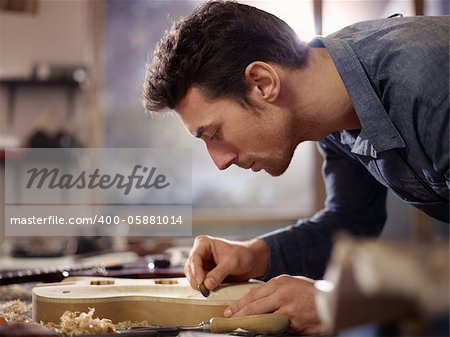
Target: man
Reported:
point(373, 95)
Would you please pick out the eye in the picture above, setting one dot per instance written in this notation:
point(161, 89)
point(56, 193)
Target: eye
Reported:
point(214, 135)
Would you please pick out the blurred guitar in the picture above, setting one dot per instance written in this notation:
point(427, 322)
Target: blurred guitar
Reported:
point(124, 264)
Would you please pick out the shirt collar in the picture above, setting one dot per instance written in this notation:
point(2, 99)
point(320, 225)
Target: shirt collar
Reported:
point(378, 133)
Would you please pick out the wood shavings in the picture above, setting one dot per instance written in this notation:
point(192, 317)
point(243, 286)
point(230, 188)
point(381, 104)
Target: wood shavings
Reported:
point(81, 323)
point(16, 311)
point(71, 323)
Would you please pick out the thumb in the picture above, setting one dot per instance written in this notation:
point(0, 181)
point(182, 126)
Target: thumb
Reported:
point(216, 276)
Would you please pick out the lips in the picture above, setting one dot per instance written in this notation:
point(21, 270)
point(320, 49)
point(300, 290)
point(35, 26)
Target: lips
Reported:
point(246, 167)
point(255, 167)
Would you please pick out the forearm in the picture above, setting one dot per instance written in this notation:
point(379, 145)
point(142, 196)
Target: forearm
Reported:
point(261, 251)
point(304, 249)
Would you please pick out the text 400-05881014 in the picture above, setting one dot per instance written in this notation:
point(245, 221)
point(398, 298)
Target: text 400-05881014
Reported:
point(155, 220)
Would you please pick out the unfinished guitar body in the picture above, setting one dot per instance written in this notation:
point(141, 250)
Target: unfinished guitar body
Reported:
point(164, 302)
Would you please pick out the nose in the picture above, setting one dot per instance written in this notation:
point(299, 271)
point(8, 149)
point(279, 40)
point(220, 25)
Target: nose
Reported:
point(223, 155)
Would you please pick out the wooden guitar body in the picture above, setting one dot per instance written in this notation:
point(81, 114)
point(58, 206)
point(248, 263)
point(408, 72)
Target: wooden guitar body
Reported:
point(160, 302)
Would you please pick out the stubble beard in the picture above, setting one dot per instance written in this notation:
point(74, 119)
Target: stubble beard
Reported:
point(277, 166)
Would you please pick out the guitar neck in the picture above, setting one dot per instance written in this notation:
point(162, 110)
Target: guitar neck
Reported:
point(140, 268)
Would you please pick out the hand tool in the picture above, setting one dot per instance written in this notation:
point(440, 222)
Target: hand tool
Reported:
point(264, 324)
point(203, 290)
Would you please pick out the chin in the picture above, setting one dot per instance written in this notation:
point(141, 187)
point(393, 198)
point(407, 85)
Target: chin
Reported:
point(277, 170)
point(277, 167)
point(276, 173)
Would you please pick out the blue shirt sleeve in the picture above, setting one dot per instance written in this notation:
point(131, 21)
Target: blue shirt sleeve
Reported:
point(355, 203)
point(434, 138)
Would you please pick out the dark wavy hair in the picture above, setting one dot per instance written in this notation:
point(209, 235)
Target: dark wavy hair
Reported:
point(211, 49)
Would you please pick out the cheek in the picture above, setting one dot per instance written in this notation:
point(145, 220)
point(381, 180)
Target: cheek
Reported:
point(271, 134)
point(256, 135)
point(220, 147)
point(237, 137)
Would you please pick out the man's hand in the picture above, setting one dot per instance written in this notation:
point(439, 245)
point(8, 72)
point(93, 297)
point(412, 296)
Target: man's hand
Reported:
point(288, 295)
point(212, 260)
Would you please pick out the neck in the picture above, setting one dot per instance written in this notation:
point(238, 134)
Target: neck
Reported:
point(318, 94)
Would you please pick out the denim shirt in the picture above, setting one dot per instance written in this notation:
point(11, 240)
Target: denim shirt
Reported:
point(396, 72)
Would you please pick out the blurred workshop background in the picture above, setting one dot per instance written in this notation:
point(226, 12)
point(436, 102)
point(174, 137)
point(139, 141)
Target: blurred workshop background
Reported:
point(71, 74)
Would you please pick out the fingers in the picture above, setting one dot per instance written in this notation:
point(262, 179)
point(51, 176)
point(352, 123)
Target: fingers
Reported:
point(294, 297)
point(258, 300)
point(194, 267)
point(194, 271)
point(212, 260)
point(216, 276)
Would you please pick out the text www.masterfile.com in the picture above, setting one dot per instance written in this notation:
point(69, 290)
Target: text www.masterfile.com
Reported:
point(99, 219)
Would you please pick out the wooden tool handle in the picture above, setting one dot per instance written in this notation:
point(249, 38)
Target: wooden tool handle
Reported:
point(265, 324)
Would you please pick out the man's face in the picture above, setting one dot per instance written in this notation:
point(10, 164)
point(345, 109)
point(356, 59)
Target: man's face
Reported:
point(249, 138)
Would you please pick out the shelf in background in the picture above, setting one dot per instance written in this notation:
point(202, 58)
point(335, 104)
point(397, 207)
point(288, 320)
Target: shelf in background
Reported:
point(12, 85)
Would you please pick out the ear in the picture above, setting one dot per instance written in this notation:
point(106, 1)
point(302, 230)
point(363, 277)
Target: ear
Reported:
point(263, 81)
